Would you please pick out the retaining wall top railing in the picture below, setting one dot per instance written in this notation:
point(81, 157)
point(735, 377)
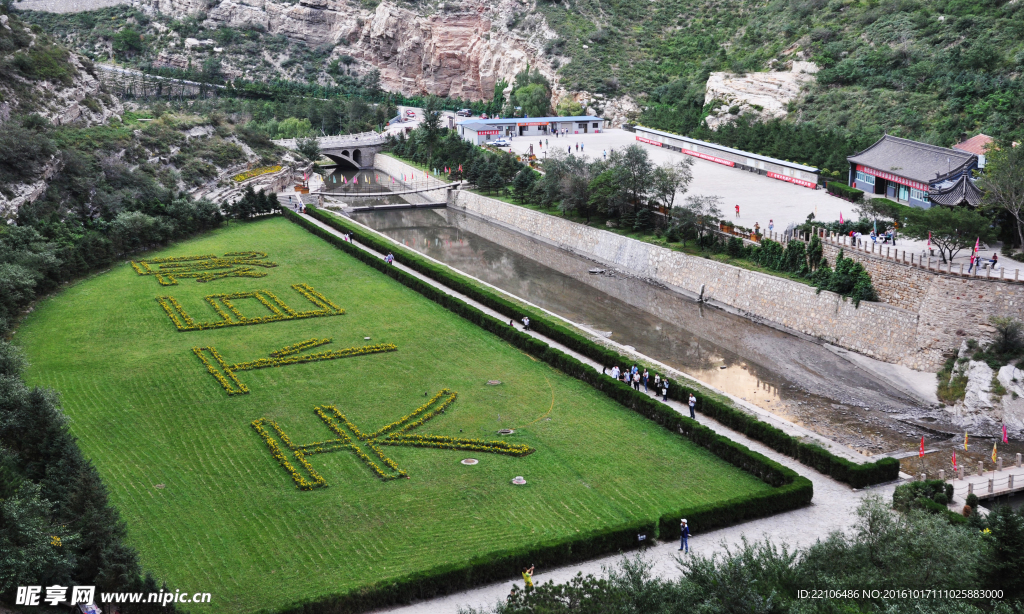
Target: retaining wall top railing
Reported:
point(916, 259)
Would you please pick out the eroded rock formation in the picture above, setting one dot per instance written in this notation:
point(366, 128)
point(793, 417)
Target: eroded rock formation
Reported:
point(459, 50)
point(764, 94)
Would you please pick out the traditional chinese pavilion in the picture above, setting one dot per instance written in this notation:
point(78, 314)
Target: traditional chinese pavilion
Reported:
point(906, 171)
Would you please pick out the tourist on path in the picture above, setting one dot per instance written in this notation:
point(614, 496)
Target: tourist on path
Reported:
point(994, 260)
point(737, 211)
point(684, 536)
point(693, 403)
point(771, 226)
point(528, 576)
point(657, 383)
point(577, 146)
point(526, 323)
point(636, 381)
point(664, 389)
point(645, 376)
point(615, 372)
point(604, 153)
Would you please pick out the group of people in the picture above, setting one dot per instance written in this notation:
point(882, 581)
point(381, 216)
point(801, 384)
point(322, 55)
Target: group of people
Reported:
point(390, 258)
point(976, 261)
point(635, 378)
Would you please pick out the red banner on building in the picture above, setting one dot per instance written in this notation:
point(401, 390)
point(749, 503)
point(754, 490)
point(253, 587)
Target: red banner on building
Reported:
point(648, 141)
point(708, 157)
point(893, 178)
point(803, 182)
point(488, 131)
point(532, 124)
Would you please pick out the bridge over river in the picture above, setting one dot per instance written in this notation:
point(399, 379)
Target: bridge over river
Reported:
point(347, 150)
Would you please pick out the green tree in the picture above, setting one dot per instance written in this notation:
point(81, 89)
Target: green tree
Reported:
point(1003, 184)
point(523, 184)
point(534, 100)
point(635, 170)
point(670, 179)
point(701, 213)
point(36, 549)
point(607, 195)
point(127, 43)
point(952, 228)
point(309, 148)
point(568, 107)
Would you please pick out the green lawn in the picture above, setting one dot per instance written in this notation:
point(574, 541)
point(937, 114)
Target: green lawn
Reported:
point(231, 521)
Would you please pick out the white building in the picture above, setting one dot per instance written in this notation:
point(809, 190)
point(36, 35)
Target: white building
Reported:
point(480, 131)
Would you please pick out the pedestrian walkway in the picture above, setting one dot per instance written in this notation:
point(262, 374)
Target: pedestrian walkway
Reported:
point(995, 482)
point(832, 509)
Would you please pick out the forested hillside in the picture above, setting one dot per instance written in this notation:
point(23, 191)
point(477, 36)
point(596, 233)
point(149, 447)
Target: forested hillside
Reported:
point(923, 70)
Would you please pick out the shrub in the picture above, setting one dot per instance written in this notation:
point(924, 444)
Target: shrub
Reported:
point(844, 191)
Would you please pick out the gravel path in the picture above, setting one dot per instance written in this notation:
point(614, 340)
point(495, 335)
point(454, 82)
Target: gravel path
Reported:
point(833, 508)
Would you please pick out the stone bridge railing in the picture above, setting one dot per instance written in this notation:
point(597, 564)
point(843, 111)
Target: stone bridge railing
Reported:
point(361, 139)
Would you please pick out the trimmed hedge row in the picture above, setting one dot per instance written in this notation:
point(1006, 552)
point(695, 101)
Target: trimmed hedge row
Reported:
point(790, 489)
point(841, 469)
point(844, 191)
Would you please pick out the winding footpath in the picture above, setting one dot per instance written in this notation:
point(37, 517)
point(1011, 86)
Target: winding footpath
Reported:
point(832, 509)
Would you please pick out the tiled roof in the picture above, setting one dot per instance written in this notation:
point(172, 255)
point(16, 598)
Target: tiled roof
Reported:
point(913, 160)
point(953, 193)
point(975, 145)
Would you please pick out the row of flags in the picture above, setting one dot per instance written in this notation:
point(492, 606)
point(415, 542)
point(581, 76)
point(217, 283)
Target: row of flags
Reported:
point(1006, 439)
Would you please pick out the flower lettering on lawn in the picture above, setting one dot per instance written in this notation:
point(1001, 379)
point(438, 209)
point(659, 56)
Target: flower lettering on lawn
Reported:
point(366, 446)
point(231, 315)
point(204, 268)
point(288, 355)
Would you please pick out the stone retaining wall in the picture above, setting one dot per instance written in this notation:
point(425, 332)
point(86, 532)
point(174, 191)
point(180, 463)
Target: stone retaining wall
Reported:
point(951, 307)
point(761, 297)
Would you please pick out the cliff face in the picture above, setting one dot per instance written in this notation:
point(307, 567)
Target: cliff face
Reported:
point(458, 50)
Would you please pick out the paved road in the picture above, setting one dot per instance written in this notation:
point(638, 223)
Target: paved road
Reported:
point(832, 509)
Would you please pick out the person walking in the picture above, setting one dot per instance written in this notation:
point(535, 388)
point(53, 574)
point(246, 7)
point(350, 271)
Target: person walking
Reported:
point(615, 372)
point(657, 383)
point(604, 154)
point(693, 404)
point(526, 323)
point(645, 376)
point(737, 211)
point(771, 226)
point(684, 537)
point(664, 389)
point(545, 142)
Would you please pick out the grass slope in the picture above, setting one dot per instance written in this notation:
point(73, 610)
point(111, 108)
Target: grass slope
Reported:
point(230, 520)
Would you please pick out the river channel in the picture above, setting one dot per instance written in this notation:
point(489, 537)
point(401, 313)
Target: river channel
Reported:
point(797, 379)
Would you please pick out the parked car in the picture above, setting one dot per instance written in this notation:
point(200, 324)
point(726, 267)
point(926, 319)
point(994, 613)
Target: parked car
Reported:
point(410, 113)
point(464, 113)
point(501, 143)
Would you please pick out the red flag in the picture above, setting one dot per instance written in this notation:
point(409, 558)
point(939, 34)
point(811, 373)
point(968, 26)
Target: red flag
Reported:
point(954, 460)
point(355, 180)
point(929, 239)
point(344, 179)
point(460, 168)
point(1005, 439)
point(920, 453)
point(977, 243)
point(840, 217)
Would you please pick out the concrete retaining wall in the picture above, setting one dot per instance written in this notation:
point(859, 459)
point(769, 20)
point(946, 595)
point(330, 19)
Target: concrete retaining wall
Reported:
point(875, 329)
